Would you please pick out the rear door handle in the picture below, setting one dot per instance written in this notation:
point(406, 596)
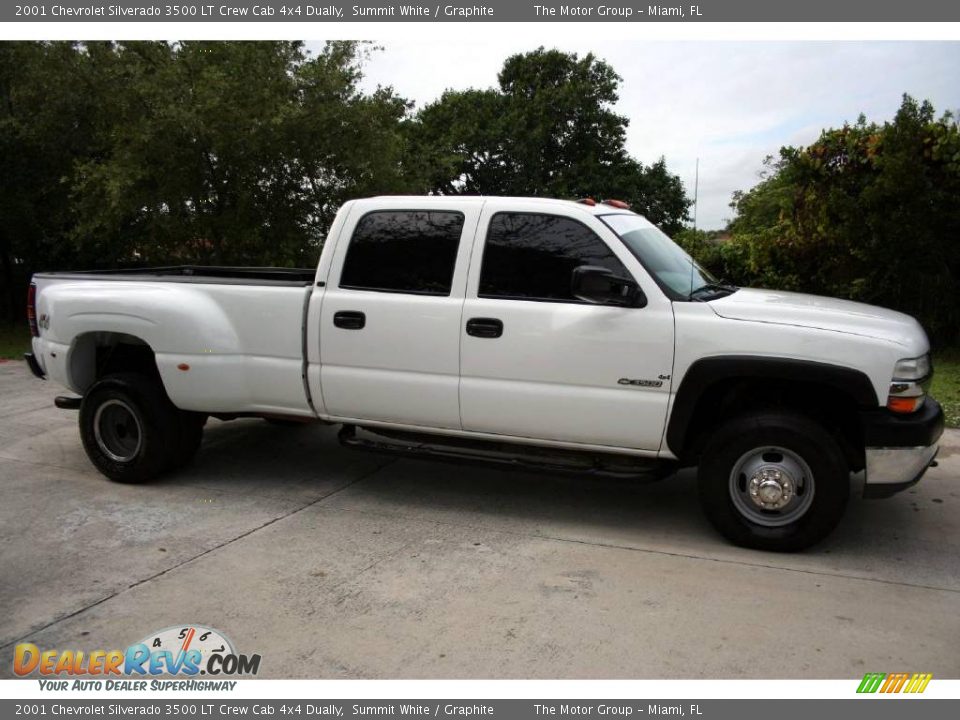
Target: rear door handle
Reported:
point(485, 327)
point(349, 319)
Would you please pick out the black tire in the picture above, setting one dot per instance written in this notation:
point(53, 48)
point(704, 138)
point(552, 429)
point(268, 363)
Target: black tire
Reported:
point(280, 422)
point(131, 414)
point(764, 442)
point(189, 436)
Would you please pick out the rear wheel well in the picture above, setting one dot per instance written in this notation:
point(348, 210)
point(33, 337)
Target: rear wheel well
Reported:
point(834, 410)
point(98, 354)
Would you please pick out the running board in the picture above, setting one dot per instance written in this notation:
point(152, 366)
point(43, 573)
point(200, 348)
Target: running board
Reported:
point(507, 455)
point(65, 402)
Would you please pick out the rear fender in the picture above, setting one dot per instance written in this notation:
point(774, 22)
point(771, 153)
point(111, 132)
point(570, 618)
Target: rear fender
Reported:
point(180, 319)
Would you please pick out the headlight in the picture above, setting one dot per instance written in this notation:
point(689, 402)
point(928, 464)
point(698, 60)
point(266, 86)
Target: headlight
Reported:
point(912, 368)
point(908, 389)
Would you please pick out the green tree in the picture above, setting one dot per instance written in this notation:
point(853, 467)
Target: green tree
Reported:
point(206, 152)
point(45, 125)
point(547, 130)
point(868, 212)
point(232, 152)
point(241, 152)
point(457, 143)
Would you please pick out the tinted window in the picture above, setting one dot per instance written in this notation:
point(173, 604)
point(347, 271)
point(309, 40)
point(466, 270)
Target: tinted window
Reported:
point(674, 270)
point(532, 257)
point(412, 251)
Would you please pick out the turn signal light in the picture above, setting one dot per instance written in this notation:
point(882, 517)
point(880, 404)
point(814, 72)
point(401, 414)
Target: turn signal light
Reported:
point(904, 405)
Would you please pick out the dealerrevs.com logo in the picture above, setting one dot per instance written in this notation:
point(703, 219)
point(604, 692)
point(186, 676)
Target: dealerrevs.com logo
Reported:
point(189, 651)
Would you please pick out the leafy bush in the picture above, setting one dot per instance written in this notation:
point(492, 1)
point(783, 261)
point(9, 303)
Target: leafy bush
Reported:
point(868, 212)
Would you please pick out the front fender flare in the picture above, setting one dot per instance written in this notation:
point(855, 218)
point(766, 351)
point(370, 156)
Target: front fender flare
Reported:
point(706, 372)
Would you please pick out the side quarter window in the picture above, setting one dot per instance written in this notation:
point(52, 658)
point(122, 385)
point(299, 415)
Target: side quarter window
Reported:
point(530, 256)
point(404, 251)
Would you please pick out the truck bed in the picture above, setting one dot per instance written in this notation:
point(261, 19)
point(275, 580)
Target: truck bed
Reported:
point(198, 274)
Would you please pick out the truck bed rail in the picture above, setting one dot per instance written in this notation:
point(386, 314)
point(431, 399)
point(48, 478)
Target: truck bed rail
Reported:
point(197, 274)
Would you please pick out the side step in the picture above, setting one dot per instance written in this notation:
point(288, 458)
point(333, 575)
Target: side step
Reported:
point(507, 455)
point(65, 402)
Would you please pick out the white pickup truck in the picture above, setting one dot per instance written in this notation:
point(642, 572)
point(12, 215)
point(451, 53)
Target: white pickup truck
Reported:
point(550, 334)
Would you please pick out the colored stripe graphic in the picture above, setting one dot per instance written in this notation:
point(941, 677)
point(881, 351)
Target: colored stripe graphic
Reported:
point(918, 683)
point(901, 679)
point(871, 682)
point(894, 682)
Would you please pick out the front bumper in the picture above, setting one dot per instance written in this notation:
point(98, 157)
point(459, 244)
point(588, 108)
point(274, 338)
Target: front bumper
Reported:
point(899, 448)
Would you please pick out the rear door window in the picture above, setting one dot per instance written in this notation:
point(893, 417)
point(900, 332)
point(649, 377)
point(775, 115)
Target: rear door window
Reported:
point(403, 251)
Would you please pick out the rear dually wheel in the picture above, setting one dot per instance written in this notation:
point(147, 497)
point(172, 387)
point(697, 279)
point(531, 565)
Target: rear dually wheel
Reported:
point(132, 432)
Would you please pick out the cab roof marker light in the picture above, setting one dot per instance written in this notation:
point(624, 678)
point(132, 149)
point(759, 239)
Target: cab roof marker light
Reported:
point(619, 204)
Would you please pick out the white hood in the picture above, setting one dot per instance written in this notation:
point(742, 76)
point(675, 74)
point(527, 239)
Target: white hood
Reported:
point(813, 311)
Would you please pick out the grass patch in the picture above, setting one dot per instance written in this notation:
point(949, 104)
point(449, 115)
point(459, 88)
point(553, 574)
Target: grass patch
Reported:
point(946, 383)
point(14, 340)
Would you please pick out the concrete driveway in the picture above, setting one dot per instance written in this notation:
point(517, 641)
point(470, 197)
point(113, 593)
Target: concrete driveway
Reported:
point(331, 563)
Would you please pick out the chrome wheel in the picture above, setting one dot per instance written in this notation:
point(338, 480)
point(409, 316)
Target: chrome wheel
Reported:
point(771, 486)
point(117, 431)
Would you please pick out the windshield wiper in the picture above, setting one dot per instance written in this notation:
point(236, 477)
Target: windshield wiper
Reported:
point(720, 287)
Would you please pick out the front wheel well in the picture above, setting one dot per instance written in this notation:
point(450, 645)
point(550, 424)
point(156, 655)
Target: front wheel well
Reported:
point(834, 410)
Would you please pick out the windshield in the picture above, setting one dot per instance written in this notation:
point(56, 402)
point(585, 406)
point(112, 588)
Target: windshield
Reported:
point(675, 271)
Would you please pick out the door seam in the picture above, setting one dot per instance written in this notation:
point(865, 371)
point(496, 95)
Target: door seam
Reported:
point(463, 307)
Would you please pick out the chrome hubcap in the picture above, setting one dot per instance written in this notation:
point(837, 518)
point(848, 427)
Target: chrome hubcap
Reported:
point(771, 486)
point(117, 431)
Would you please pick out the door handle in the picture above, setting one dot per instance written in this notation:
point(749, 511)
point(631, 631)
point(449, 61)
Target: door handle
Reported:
point(349, 319)
point(485, 327)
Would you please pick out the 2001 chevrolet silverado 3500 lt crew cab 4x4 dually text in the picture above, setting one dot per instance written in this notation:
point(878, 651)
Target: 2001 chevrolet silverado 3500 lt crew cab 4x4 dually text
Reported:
point(542, 333)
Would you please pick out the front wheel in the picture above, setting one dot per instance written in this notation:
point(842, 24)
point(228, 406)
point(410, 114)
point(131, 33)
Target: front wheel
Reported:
point(773, 481)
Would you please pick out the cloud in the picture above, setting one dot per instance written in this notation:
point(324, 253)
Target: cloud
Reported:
point(729, 104)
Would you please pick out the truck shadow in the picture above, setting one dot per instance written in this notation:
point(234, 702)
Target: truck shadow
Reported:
point(244, 453)
point(875, 538)
point(251, 455)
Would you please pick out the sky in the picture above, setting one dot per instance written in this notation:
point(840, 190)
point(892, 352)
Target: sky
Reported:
point(730, 104)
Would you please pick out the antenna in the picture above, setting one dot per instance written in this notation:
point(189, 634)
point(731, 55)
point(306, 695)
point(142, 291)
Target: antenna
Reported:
point(696, 188)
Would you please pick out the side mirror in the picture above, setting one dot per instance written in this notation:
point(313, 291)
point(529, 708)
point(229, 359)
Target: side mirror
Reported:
point(601, 286)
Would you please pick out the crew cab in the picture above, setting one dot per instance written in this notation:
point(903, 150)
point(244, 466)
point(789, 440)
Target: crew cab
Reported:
point(549, 334)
